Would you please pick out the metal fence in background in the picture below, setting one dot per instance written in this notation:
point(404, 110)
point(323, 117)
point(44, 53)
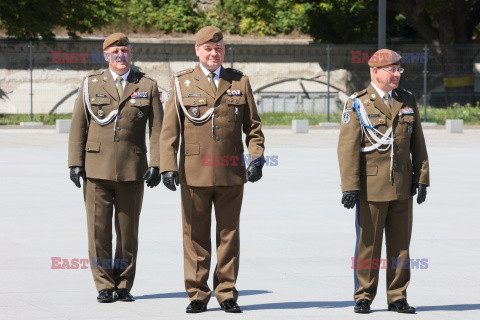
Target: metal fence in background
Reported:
point(332, 72)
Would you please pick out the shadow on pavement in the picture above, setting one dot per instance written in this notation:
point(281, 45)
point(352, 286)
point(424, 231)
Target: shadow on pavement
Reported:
point(299, 305)
point(184, 294)
point(450, 307)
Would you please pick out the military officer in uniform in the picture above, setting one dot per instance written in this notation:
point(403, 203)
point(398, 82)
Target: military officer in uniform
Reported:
point(107, 149)
point(383, 162)
point(209, 107)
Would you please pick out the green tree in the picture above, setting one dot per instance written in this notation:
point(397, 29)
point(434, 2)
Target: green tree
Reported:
point(29, 19)
point(451, 27)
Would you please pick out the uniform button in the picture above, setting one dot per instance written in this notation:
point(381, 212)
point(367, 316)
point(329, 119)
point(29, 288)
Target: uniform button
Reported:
point(218, 138)
point(119, 117)
point(394, 135)
point(118, 128)
point(117, 139)
point(216, 115)
point(186, 152)
point(88, 148)
point(217, 127)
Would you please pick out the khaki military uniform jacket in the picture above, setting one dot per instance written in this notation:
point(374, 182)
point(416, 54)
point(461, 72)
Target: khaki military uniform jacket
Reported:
point(369, 172)
point(116, 151)
point(210, 156)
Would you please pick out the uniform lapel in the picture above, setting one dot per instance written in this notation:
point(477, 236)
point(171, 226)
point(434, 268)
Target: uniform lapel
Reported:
point(201, 81)
point(131, 85)
point(224, 83)
point(109, 85)
point(378, 101)
point(397, 102)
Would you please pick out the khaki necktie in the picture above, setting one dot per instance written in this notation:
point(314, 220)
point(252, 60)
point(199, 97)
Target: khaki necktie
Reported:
point(212, 83)
point(119, 87)
point(387, 100)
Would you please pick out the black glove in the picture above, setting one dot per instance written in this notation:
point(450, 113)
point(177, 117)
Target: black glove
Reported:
point(349, 199)
point(170, 179)
point(152, 177)
point(254, 170)
point(422, 192)
point(76, 173)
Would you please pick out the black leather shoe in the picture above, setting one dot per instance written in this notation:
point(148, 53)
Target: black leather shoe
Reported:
point(106, 296)
point(196, 306)
point(124, 295)
point(231, 306)
point(362, 306)
point(401, 306)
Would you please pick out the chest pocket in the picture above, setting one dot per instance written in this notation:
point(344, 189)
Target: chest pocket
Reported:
point(236, 107)
point(138, 108)
point(377, 119)
point(101, 104)
point(196, 106)
point(408, 118)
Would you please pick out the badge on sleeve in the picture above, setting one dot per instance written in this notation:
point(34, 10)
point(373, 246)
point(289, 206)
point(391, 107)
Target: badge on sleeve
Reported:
point(187, 83)
point(346, 118)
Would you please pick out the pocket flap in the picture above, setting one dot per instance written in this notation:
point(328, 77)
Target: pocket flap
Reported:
point(100, 101)
point(378, 121)
point(408, 118)
point(139, 102)
point(372, 170)
point(194, 101)
point(236, 100)
point(192, 149)
point(92, 146)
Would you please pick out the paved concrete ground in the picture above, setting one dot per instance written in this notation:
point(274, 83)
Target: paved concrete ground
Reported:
point(297, 240)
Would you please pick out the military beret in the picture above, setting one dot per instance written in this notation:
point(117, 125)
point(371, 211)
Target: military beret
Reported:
point(383, 58)
point(208, 33)
point(118, 39)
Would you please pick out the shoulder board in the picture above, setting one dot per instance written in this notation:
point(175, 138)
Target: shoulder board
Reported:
point(147, 76)
point(405, 90)
point(95, 73)
point(235, 71)
point(358, 94)
point(180, 73)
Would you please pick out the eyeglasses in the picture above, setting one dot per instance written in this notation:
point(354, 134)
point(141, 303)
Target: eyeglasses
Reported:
point(393, 70)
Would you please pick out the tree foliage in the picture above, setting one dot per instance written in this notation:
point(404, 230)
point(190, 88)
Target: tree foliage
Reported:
point(28, 19)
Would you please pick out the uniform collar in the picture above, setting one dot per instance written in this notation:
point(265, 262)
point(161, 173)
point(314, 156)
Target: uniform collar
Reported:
point(207, 72)
point(380, 92)
point(124, 76)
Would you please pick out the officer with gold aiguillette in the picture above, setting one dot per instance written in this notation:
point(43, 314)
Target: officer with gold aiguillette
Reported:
point(107, 149)
point(383, 162)
point(209, 107)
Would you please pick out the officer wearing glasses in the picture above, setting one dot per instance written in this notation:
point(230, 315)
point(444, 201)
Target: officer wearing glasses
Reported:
point(383, 164)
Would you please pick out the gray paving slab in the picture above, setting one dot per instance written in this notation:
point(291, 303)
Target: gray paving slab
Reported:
point(296, 239)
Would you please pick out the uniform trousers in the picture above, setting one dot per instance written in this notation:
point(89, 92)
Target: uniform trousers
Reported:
point(101, 196)
point(372, 218)
point(196, 220)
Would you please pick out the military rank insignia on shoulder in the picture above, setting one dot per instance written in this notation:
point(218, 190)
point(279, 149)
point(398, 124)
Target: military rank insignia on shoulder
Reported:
point(407, 91)
point(181, 73)
point(144, 75)
point(357, 94)
point(235, 71)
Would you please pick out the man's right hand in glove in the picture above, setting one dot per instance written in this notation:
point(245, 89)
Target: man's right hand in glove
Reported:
point(349, 199)
point(76, 173)
point(170, 179)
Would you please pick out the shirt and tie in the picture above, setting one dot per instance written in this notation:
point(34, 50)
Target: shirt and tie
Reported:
point(213, 77)
point(386, 96)
point(120, 81)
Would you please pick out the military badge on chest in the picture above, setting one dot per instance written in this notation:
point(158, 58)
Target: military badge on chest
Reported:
point(195, 112)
